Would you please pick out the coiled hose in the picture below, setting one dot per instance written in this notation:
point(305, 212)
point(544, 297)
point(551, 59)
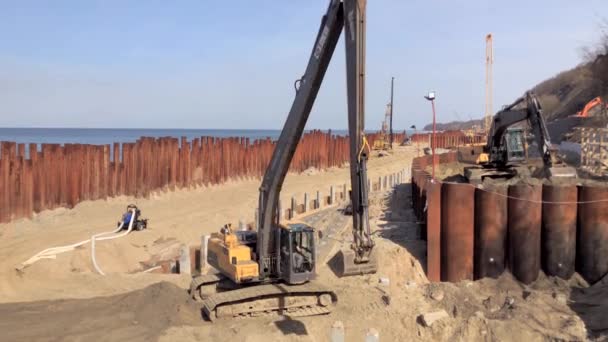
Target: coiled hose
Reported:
point(51, 253)
point(98, 237)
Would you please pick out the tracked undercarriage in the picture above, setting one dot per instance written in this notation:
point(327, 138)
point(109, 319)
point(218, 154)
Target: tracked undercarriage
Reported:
point(308, 299)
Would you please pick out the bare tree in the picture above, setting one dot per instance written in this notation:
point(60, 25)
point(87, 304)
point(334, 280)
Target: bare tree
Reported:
point(597, 58)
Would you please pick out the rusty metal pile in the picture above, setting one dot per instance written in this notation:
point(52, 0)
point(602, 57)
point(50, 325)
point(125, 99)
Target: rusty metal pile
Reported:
point(474, 232)
point(63, 175)
point(447, 139)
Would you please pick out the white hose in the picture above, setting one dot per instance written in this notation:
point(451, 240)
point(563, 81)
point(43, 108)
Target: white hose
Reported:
point(51, 253)
point(99, 238)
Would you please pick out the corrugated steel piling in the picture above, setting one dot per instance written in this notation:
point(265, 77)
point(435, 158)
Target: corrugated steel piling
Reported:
point(53, 175)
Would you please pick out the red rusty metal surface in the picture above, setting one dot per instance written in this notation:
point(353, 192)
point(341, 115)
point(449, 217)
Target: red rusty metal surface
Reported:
point(524, 222)
point(52, 175)
point(592, 240)
point(447, 139)
point(558, 245)
point(490, 231)
point(457, 231)
point(433, 233)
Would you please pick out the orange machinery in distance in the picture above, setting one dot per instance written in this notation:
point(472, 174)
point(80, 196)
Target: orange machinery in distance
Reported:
point(591, 107)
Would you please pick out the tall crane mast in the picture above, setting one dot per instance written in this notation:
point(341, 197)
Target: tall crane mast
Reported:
point(489, 89)
point(391, 118)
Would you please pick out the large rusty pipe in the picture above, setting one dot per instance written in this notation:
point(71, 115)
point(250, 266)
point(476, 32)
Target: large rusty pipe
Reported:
point(559, 230)
point(490, 231)
point(457, 231)
point(592, 247)
point(433, 232)
point(524, 231)
point(415, 191)
point(426, 179)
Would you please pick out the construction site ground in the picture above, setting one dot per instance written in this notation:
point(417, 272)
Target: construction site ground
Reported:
point(63, 299)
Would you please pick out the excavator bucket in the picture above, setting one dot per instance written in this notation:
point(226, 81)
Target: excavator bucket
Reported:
point(344, 264)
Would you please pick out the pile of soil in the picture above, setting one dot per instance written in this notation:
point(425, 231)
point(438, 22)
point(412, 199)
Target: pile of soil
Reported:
point(592, 306)
point(141, 315)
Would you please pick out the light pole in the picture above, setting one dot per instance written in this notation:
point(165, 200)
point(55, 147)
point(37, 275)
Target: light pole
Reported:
point(431, 97)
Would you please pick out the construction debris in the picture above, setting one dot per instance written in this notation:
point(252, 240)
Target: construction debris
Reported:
point(428, 319)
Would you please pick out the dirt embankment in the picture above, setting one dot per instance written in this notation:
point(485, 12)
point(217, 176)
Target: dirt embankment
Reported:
point(141, 315)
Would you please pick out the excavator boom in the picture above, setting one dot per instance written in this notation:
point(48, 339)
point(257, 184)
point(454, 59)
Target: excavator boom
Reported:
point(350, 15)
point(285, 255)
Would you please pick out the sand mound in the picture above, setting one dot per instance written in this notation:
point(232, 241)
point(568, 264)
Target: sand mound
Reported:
point(141, 315)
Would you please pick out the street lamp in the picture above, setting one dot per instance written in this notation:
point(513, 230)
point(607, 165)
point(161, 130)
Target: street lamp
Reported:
point(431, 97)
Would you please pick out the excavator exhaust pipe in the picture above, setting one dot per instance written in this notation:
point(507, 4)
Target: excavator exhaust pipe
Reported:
point(346, 264)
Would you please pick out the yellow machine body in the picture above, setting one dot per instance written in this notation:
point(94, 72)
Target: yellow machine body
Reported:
point(483, 158)
point(382, 143)
point(232, 258)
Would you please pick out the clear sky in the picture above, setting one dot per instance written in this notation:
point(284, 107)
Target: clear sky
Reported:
point(232, 64)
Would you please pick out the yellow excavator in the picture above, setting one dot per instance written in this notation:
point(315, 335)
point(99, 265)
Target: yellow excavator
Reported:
point(271, 270)
point(383, 141)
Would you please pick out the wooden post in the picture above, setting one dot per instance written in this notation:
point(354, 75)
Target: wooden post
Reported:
point(337, 332)
point(204, 246)
point(184, 260)
point(319, 204)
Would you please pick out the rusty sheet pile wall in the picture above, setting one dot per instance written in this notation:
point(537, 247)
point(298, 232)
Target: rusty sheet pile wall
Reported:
point(475, 232)
point(448, 139)
point(54, 175)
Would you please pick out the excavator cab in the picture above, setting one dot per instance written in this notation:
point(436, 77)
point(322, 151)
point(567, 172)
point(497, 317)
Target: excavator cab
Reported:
point(515, 145)
point(297, 257)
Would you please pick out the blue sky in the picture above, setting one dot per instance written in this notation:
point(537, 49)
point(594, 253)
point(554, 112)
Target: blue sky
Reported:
point(231, 64)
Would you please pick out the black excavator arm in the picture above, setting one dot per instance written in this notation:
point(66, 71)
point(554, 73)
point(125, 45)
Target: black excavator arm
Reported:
point(351, 15)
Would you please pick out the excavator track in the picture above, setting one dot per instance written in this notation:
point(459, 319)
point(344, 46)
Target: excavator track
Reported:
point(202, 280)
point(289, 300)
